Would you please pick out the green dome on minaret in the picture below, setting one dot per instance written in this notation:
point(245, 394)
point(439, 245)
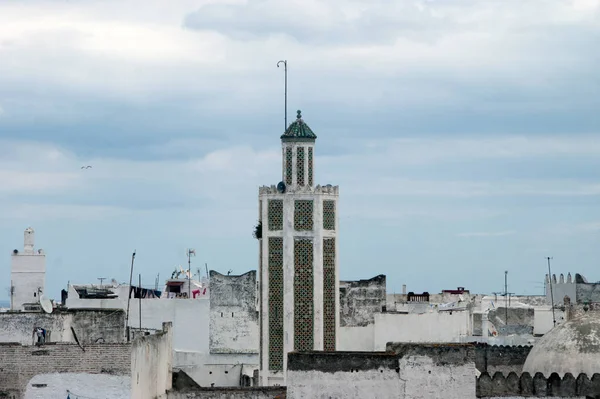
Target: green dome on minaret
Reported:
point(298, 131)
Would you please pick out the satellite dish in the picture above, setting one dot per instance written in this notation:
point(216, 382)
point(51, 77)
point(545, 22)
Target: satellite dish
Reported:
point(281, 187)
point(46, 304)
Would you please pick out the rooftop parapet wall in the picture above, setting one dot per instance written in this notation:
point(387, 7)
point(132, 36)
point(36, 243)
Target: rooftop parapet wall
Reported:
point(332, 362)
point(441, 354)
point(505, 359)
point(524, 385)
point(231, 393)
point(327, 189)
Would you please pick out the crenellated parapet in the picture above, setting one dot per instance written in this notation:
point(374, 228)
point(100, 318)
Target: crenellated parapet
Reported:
point(327, 189)
point(524, 385)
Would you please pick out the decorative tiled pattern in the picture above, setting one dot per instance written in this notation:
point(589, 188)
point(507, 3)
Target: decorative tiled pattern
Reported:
point(329, 294)
point(310, 166)
point(260, 298)
point(300, 166)
point(275, 213)
point(303, 215)
point(329, 215)
point(303, 295)
point(288, 166)
point(275, 303)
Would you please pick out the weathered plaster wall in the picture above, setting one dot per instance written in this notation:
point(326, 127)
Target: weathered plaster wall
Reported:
point(56, 385)
point(504, 359)
point(91, 326)
point(342, 375)
point(231, 393)
point(360, 300)
point(588, 292)
point(357, 339)
point(524, 385)
point(151, 364)
point(233, 313)
point(21, 363)
point(426, 327)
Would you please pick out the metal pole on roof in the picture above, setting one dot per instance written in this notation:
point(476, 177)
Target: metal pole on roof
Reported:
point(285, 92)
point(129, 297)
point(551, 292)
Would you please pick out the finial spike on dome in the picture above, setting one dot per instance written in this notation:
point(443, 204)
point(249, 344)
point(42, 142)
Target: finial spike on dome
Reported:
point(299, 116)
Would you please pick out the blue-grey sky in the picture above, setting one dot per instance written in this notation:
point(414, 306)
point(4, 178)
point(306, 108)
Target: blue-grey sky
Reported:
point(464, 134)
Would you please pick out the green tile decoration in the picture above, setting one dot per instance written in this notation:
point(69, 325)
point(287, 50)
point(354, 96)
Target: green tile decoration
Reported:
point(303, 215)
point(275, 303)
point(300, 166)
point(303, 295)
point(329, 294)
point(329, 214)
point(288, 166)
point(275, 214)
point(310, 166)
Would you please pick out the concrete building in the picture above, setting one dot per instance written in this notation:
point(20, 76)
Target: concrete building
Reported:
point(27, 274)
point(298, 262)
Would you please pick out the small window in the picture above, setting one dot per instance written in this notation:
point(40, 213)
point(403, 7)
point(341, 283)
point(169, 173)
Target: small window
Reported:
point(34, 294)
point(231, 314)
point(221, 314)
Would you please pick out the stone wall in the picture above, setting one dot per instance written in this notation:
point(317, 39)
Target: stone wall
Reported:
point(21, 363)
point(151, 364)
point(505, 359)
point(360, 300)
point(90, 326)
point(231, 393)
point(524, 385)
point(233, 313)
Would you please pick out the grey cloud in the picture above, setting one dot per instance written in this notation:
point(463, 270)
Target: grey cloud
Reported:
point(321, 23)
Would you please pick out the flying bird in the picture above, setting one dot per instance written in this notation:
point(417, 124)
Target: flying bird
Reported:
point(86, 167)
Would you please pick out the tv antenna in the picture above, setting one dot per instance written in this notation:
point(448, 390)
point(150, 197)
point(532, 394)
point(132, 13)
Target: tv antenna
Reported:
point(285, 92)
point(551, 291)
point(101, 280)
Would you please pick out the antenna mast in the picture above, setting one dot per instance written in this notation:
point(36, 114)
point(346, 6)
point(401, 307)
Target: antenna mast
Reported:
point(551, 292)
point(129, 296)
point(285, 92)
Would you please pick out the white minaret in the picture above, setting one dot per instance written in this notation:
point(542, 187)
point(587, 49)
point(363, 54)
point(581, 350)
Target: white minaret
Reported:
point(299, 284)
point(27, 273)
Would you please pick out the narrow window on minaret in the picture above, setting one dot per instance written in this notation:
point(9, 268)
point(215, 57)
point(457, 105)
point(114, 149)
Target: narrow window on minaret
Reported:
point(310, 166)
point(288, 166)
point(300, 166)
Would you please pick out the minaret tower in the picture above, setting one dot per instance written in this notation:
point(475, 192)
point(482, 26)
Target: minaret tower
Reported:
point(298, 259)
point(27, 273)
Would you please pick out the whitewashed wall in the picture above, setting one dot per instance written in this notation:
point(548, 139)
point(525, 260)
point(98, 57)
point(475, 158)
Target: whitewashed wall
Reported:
point(79, 384)
point(424, 379)
point(426, 327)
point(543, 319)
point(365, 384)
point(151, 364)
point(356, 338)
point(28, 273)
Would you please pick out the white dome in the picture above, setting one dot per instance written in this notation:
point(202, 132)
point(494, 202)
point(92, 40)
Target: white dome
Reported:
point(572, 347)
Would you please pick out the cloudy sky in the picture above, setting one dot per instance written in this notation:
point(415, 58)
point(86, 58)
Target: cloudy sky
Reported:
point(464, 135)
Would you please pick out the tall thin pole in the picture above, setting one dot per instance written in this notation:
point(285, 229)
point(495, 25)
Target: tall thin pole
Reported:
point(189, 273)
point(285, 93)
point(551, 292)
point(140, 302)
point(506, 297)
point(129, 295)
